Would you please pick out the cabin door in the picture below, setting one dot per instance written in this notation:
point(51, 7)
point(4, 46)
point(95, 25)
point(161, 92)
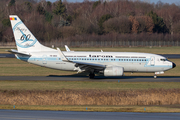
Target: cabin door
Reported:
point(44, 60)
point(152, 61)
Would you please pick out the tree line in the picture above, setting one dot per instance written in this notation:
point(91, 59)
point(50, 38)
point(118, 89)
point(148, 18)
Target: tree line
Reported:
point(63, 20)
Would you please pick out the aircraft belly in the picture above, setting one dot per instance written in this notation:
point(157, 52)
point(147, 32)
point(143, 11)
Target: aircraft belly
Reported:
point(61, 65)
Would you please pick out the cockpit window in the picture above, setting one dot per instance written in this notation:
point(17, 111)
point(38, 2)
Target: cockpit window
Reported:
point(163, 59)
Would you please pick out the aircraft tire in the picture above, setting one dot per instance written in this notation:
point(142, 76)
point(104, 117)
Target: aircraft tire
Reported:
point(91, 76)
point(155, 76)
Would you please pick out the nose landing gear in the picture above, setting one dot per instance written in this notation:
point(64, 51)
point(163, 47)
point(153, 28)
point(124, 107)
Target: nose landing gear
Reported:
point(155, 76)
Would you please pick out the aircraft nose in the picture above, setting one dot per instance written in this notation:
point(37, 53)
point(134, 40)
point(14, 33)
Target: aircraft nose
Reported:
point(173, 65)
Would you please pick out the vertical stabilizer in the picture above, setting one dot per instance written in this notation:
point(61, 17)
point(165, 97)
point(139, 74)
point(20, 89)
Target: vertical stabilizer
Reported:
point(25, 40)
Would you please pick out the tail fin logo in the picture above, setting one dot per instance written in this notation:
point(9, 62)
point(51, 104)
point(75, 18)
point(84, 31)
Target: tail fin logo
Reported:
point(13, 18)
point(25, 39)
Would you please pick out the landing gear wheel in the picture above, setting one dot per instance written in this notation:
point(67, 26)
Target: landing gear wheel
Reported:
point(155, 76)
point(91, 75)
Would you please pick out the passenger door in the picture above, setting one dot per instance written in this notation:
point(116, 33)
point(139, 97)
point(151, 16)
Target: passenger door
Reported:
point(44, 60)
point(152, 62)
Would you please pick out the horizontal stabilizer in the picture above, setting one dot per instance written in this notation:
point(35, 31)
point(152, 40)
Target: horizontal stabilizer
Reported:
point(16, 52)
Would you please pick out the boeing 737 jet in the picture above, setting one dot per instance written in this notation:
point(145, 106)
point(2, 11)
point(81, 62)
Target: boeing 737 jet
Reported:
point(109, 63)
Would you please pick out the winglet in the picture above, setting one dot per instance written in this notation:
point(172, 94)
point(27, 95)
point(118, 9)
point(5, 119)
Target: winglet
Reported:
point(62, 56)
point(67, 48)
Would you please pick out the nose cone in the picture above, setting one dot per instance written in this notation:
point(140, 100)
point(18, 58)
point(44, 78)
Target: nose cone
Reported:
point(173, 65)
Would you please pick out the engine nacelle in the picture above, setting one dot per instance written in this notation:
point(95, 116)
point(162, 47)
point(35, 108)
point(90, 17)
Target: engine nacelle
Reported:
point(114, 71)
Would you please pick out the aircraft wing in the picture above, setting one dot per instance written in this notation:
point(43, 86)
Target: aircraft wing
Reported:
point(17, 52)
point(81, 66)
point(90, 64)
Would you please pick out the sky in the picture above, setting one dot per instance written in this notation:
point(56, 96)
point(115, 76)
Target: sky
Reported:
point(152, 1)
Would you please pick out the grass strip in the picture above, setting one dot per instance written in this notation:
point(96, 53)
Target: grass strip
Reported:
point(85, 85)
point(98, 108)
point(155, 50)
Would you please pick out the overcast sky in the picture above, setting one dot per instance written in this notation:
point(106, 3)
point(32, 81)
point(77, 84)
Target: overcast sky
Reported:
point(155, 1)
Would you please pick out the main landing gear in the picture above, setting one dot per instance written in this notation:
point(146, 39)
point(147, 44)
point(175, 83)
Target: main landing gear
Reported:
point(91, 75)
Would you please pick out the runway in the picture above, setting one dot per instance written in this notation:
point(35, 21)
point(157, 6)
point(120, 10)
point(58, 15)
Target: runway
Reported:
point(68, 115)
point(97, 78)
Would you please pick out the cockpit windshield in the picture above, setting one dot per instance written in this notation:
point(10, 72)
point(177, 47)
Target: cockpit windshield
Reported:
point(163, 59)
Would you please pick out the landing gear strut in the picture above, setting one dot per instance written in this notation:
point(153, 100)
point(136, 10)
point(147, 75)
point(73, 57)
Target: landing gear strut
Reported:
point(155, 76)
point(91, 75)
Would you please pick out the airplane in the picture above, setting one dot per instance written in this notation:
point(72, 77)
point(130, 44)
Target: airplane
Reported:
point(109, 63)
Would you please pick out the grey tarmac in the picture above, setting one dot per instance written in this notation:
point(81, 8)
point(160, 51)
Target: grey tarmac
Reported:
point(68, 115)
point(97, 78)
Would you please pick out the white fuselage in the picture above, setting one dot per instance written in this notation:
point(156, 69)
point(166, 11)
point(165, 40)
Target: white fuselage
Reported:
point(130, 61)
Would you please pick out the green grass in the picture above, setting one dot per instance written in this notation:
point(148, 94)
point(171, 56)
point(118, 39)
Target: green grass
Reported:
point(155, 50)
point(170, 108)
point(82, 85)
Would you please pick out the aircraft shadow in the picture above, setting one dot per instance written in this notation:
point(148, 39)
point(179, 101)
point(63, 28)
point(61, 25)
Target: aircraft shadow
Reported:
point(111, 77)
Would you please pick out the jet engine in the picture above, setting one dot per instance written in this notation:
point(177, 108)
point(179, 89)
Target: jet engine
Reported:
point(114, 71)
